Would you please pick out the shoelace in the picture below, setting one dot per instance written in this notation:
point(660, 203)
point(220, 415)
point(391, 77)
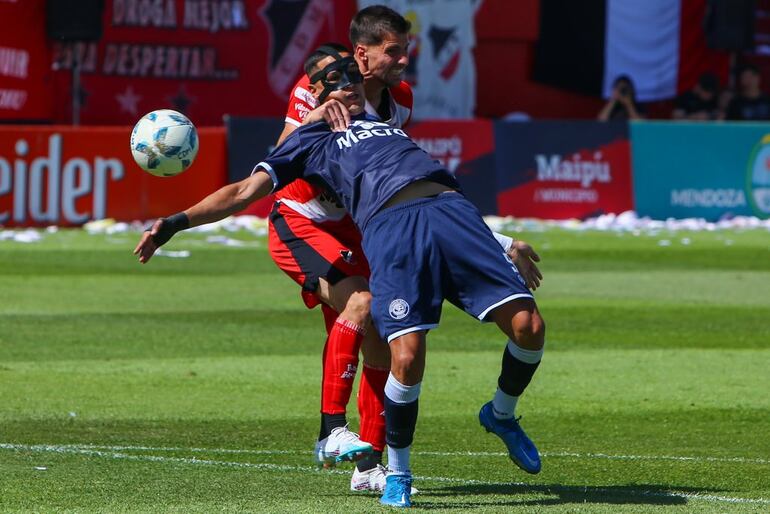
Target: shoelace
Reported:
point(377, 477)
point(346, 435)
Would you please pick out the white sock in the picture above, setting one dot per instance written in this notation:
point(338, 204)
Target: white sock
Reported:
point(528, 356)
point(398, 460)
point(504, 405)
point(400, 393)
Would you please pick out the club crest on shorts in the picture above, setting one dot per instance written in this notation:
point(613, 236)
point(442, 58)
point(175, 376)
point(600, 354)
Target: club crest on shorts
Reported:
point(398, 309)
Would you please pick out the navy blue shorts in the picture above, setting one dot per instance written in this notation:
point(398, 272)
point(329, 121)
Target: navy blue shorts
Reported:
point(426, 250)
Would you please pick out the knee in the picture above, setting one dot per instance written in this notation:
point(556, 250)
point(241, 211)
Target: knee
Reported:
point(529, 329)
point(405, 366)
point(358, 307)
point(403, 361)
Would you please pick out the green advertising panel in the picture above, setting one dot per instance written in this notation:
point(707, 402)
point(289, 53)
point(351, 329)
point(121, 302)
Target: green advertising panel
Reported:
point(701, 170)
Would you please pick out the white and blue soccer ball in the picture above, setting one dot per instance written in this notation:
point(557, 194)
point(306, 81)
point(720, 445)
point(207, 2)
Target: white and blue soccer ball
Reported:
point(164, 143)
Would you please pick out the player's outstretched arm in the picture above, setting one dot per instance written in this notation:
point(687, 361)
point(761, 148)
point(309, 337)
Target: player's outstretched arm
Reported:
point(222, 203)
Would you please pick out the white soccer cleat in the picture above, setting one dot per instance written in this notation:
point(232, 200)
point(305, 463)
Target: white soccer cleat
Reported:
point(319, 457)
point(372, 480)
point(341, 445)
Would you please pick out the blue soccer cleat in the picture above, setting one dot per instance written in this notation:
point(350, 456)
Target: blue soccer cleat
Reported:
point(398, 491)
point(521, 449)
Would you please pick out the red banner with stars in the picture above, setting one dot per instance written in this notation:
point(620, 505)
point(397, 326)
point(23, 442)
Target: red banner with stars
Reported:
point(206, 58)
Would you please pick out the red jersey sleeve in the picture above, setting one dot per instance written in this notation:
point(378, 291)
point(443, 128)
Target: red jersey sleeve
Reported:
point(404, 99)
point(301, 102)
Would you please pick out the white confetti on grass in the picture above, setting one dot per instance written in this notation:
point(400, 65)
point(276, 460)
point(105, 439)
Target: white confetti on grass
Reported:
point(624, 223)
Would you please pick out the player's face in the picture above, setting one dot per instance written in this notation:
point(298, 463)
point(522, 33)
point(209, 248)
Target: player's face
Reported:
point(352, 96)
point(385, 61)
point(749, 79)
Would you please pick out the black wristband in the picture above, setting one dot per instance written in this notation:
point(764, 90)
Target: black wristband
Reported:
point(171, 226)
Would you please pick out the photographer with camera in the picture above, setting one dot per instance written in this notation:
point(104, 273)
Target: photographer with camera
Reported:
point(622, 103)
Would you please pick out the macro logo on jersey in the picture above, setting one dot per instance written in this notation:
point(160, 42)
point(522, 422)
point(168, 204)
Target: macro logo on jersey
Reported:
point(446, 49)
point(294, 26)
point(361, 130)
point(758, 178)
point(398, 309)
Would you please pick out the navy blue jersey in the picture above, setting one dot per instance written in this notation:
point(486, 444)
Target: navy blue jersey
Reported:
point(364, 166)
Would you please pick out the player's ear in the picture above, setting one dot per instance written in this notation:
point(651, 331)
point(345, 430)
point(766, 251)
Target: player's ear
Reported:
point(359, 52)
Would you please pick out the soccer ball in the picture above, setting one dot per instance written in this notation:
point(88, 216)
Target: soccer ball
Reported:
point(164, 143)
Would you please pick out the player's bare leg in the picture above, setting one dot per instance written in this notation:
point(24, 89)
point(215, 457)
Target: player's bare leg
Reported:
point(521, 322)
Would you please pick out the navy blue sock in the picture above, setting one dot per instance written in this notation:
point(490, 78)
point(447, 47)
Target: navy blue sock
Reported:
point(332, 421)
point(515, 373)
point(400, 420)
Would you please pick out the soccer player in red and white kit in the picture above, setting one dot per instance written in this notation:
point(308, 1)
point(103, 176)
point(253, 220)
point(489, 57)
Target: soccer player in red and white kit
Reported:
point(314, 241)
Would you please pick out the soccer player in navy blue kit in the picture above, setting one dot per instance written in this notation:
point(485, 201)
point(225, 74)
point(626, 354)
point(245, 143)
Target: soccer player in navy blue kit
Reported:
point(425, 243)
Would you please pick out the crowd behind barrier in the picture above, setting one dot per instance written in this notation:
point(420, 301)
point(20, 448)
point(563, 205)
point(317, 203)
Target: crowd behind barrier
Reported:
point(67, 176)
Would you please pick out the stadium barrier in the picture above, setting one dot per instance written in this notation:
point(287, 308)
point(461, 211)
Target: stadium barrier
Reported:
point(701, 170)
point(561, 169)
point(66, 176)
point(536, 169)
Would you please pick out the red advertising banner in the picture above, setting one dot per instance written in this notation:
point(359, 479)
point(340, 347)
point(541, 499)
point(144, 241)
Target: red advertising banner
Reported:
point(67, 176)
point(25, 77)
point(466, 148)
point(559, 170)
point(205, 58)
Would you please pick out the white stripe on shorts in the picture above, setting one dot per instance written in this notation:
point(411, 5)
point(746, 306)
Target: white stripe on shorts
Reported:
point(504, 300)
point(405, 331)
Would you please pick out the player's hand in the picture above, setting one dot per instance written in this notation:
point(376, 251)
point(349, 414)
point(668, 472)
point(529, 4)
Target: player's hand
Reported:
point(332, 112)
point(147, 247)
point(525, 257)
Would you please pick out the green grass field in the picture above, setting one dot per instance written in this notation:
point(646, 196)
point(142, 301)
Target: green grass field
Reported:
point(192, 385)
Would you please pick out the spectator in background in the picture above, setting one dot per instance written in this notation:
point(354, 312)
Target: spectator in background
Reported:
point(699, 103)
point(749, 102)
point(622, 104)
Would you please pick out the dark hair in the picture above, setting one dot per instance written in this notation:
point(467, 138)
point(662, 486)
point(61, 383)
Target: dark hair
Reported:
point(747, 67)
point(318, 55)
point(629, 83)
point(370, 25)
point(709, 82)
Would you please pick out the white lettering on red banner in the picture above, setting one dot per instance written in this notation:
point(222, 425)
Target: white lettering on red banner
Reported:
point(47, 189)
point(12, 99)
point(446, 150)
point(14, 62)
point(210, 15)
point(558, 169)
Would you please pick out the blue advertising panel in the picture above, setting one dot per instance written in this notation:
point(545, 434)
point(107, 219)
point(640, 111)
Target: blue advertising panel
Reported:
point(704, 170)
point(249, 140)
